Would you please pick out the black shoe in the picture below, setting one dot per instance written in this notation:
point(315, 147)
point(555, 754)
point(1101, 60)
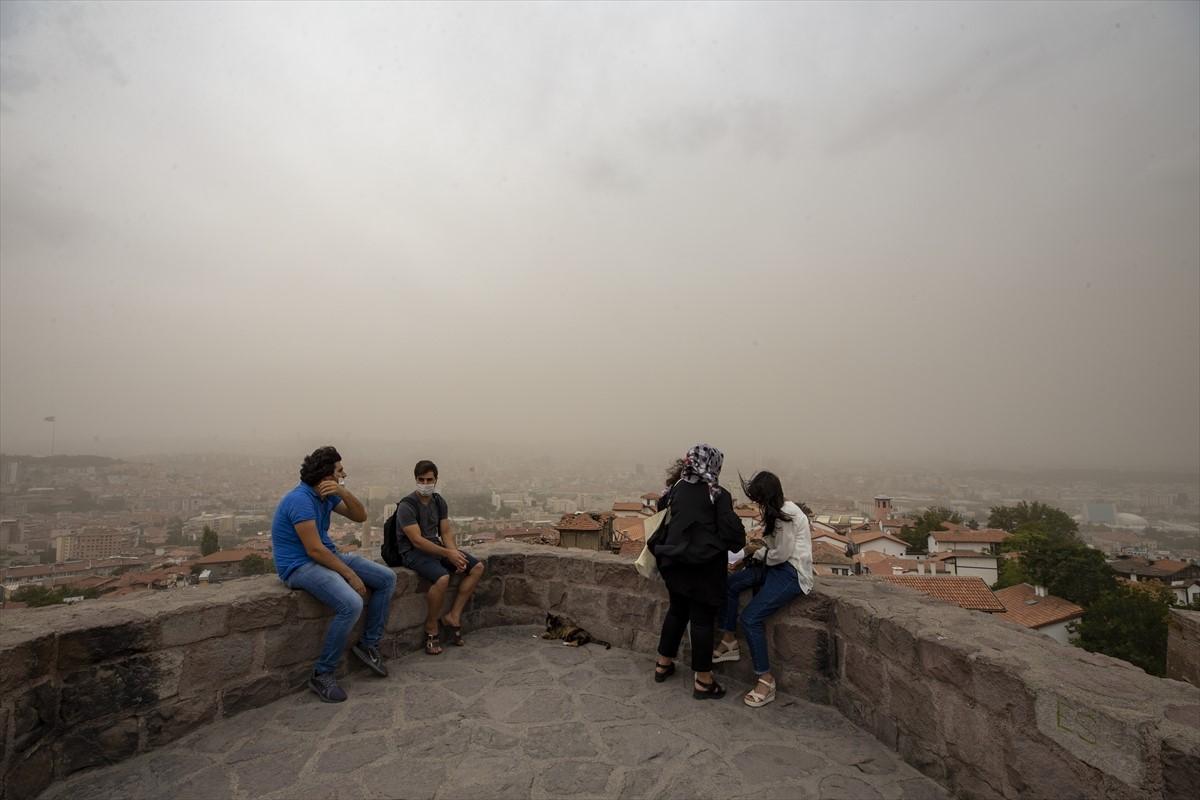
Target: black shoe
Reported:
point(371, 657)
point(663, 671)
point(325, 685)
point(711, 691)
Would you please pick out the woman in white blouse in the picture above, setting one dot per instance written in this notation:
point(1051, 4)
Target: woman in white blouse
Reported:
point(780, 569)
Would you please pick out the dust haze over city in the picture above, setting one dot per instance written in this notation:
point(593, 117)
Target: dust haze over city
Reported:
point(902, 234)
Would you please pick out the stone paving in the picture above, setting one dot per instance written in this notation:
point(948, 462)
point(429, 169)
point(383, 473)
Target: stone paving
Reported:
point(513, 716)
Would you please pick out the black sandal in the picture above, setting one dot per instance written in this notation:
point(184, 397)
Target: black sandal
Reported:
point(712, 691)
point(455, 633)
point(663, 671)
point(433, 645)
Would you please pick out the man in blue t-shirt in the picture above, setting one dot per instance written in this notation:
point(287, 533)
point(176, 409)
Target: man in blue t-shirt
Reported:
point(305, 558)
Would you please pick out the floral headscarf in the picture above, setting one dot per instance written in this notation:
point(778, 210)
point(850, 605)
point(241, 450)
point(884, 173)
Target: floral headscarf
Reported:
point(703, 463)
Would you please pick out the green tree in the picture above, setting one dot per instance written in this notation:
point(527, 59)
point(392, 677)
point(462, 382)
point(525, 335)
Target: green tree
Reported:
point(255, 565)
point(208, 542)
point(931, 519)
point(1128, 623)
point(1012, 573)
point(1055, 522)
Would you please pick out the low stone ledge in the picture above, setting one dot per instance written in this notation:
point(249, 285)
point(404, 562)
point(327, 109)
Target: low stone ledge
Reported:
point(988, 709)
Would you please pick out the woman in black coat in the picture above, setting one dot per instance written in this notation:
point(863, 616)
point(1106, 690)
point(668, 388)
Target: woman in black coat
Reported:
point(692, 557)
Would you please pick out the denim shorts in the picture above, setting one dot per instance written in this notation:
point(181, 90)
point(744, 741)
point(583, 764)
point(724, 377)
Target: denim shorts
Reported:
point(431, 567)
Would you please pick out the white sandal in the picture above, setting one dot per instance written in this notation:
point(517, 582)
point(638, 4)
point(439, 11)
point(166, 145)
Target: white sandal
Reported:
point(756, 699)
point(726, 652)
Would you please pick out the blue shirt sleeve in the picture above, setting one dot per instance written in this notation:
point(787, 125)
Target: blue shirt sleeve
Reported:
point(299, 509)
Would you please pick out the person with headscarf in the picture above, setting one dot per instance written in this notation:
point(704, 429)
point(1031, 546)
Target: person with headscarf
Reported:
point(691, 553)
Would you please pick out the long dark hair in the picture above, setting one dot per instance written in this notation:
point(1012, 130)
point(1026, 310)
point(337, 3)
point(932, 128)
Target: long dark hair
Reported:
point(765, 490)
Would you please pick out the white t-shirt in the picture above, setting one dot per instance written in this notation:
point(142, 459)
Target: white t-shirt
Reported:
point(792, 542)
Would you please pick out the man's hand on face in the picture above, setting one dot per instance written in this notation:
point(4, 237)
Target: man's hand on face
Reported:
point(327, 488)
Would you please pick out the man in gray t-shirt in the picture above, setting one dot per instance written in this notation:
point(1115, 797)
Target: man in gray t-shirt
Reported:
point(427, 547)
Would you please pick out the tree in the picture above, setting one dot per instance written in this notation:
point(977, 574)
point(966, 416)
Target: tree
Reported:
point(1055, 522)
point(255, 565)
point(1064, 565)
point(1129, 623)
point(931, 519)
point(208, 542)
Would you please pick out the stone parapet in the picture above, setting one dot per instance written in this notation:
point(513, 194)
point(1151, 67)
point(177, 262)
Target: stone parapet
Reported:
point(988, 709)
point(1183, 646)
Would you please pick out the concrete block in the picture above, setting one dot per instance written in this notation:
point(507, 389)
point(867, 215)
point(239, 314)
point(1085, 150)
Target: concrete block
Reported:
point(192, 624)
point(167, 722)
point(119, 687)
point(217, 662)
point(95, 745)
point(260, 612)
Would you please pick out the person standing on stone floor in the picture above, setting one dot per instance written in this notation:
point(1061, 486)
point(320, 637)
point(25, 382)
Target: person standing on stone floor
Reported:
point(427, 547)
point(779, 569)
point(306, 559)
point(691, 554)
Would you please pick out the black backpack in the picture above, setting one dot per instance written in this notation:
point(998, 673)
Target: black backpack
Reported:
point(391, 548)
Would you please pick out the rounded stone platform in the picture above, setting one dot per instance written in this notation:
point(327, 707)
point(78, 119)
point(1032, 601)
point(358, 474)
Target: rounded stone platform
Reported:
point(513, 716)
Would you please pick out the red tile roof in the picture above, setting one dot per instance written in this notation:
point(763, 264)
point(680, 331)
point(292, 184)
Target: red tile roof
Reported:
point(224, 557)
point(631, 549)
point(633, 527)
point(862, 537)
point(1024, 607)
point(1162, 568)
point(981, 536)
point(626, 507)
point(824, 553)
point(968, 592)
point(578, 522)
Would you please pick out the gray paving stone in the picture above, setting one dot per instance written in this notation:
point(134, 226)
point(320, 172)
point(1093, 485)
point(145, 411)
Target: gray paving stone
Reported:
point(351, 754)
point(773, 763)
point(572, 778)
point(496, 778)
point(543, 706)
point(842, 787)
point(542, 722)
point(263, 775)
point(401, 778)
point(598, 708)
point(569, 740)
point(366, 717)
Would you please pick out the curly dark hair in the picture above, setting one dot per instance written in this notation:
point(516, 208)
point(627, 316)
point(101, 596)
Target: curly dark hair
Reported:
point(674, 472)
point(319, 464)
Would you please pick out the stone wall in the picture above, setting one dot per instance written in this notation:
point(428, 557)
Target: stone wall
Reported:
point(1183, 646)
point(987, 708)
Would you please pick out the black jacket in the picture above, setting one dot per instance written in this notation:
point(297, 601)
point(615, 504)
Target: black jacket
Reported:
point(700, 530)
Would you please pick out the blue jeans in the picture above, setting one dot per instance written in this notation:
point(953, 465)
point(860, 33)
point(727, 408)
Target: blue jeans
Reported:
point(332, 590)
point(781, 586)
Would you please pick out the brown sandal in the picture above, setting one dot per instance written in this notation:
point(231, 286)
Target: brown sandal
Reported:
point(433, 645)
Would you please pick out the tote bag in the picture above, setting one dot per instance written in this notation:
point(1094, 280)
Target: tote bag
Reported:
point(646, 565)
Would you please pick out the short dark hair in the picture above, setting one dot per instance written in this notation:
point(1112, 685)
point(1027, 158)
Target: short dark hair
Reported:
point(319, 464)
point(423, 466)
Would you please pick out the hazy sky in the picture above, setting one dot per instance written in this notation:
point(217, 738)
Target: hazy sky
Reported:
point(812, 231)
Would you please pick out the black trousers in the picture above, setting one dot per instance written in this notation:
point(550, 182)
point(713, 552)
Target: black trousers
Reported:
point(702, 617)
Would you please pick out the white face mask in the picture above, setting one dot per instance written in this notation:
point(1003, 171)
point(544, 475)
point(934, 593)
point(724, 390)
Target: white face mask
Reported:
point(426, 489)
point(341, 481)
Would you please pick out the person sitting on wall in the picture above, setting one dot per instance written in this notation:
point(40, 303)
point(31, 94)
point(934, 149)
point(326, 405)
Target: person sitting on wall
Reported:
point(306, 559)
point(779, 567)
point(428, 548)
